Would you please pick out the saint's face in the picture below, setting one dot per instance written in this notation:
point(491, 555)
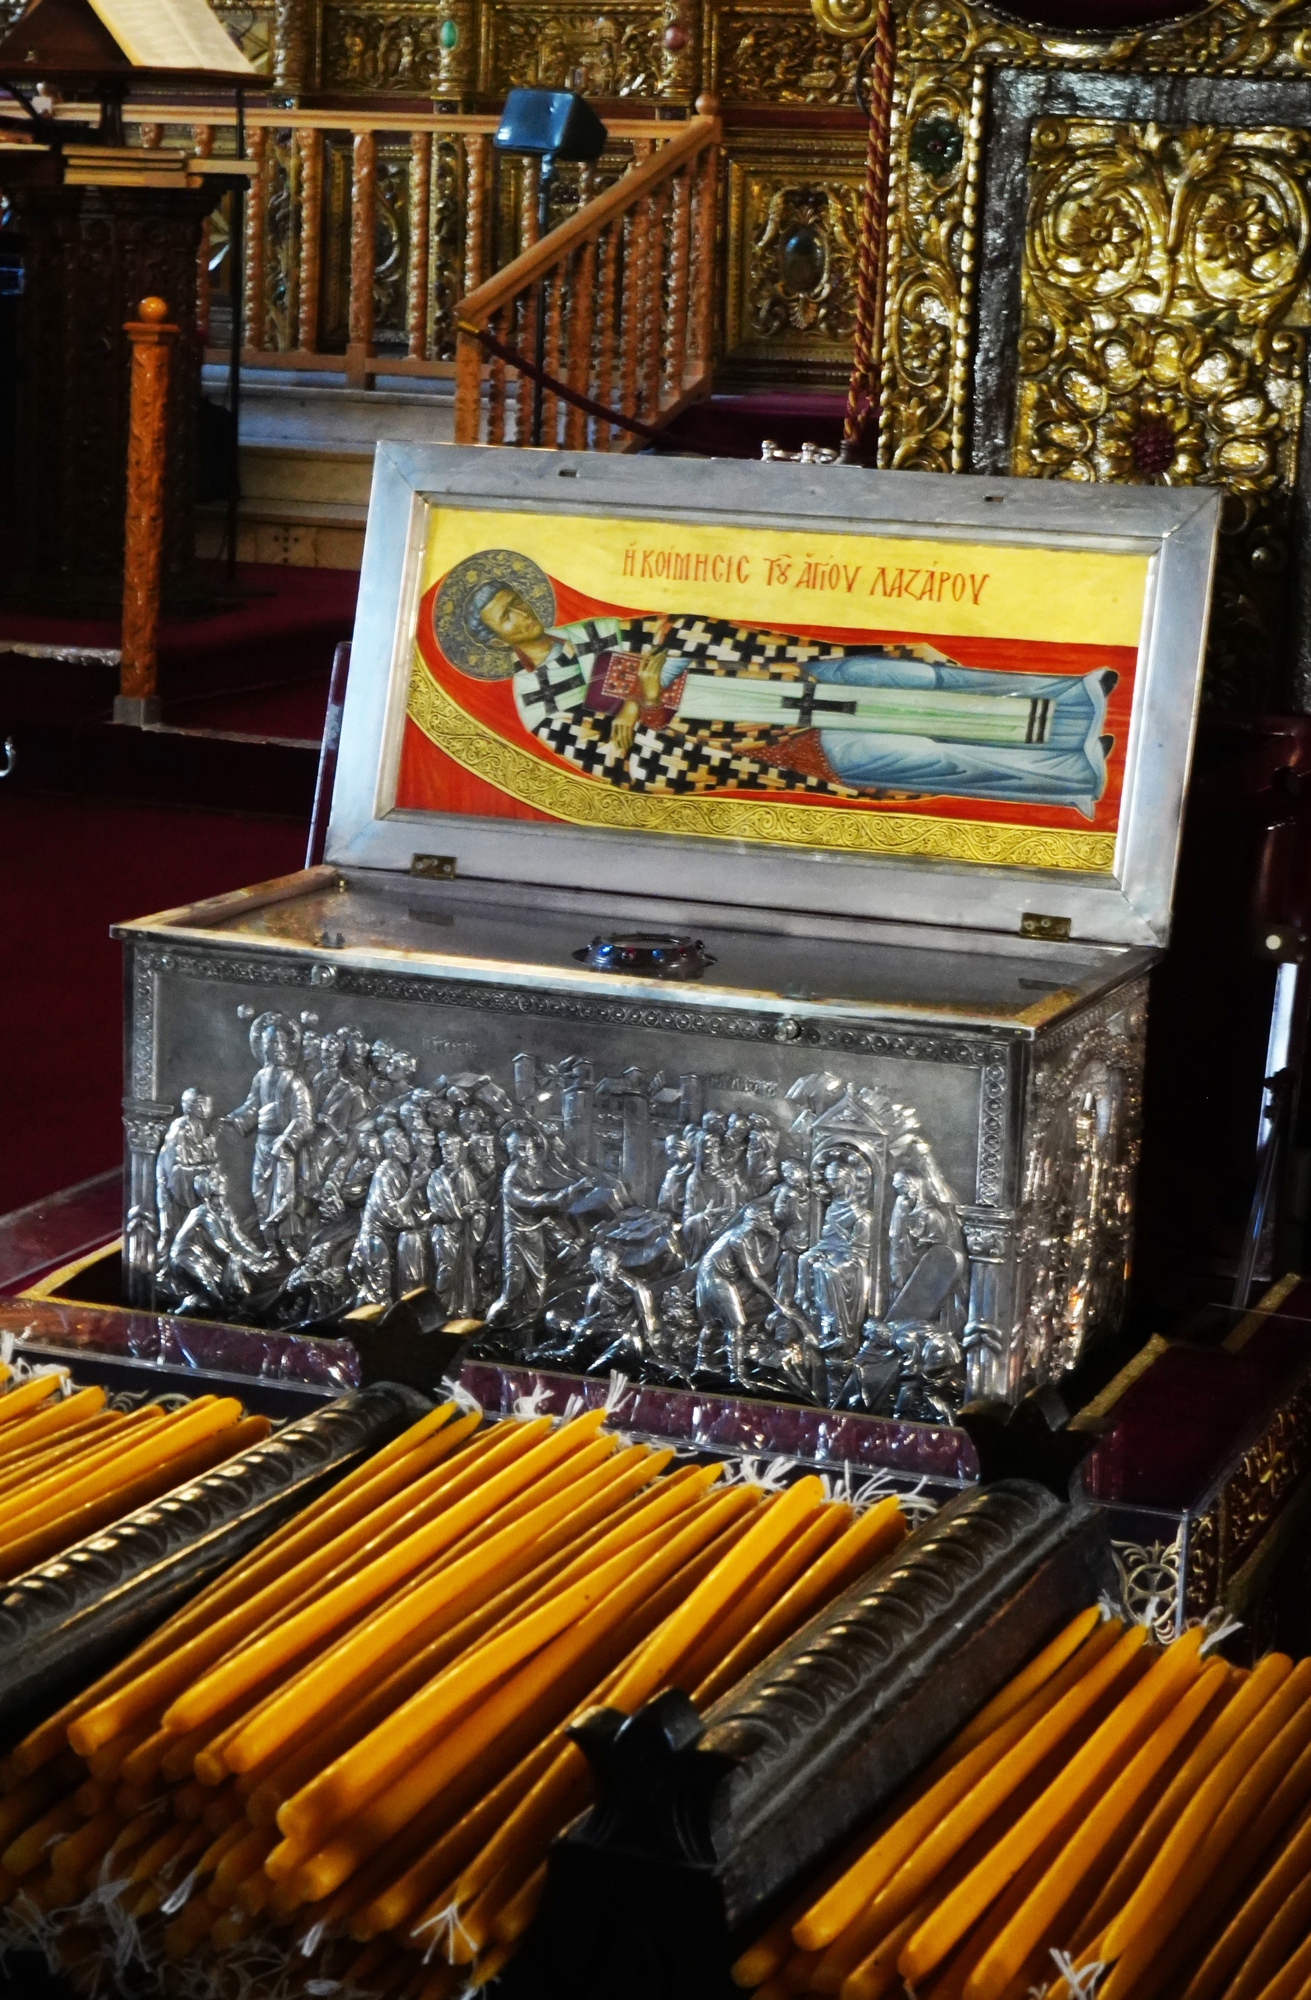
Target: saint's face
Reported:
point(510, 619)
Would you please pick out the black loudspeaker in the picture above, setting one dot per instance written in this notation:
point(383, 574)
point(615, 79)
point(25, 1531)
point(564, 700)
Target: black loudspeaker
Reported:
point(554, 123)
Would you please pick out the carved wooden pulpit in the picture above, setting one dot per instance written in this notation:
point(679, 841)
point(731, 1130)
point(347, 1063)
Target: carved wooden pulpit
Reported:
point(98, 226)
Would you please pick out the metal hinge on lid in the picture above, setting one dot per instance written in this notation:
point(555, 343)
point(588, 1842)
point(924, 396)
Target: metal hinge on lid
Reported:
point(438, 867)
point(1034, 925)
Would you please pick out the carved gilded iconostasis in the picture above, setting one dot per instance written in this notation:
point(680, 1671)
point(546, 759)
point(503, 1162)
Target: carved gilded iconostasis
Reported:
point(1096, 268)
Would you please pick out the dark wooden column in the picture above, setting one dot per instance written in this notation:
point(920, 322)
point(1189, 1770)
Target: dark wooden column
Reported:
point(89, 255)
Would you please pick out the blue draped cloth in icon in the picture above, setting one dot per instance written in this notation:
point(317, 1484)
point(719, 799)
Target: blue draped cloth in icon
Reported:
point(1066, 767)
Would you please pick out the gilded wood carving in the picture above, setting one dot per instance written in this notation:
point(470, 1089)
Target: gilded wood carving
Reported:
point(784, 52)
point(793, 227)
point(1159, 271)
point(1119, 288)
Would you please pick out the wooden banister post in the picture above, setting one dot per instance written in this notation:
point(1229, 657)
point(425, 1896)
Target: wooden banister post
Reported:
point(649, 237)
point(468, 388)
point(704, 226)
point(152, 338)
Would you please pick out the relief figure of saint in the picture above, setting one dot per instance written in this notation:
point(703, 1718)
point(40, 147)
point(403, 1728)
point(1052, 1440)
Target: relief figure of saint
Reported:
point(279, 1110)
point(834, 1275)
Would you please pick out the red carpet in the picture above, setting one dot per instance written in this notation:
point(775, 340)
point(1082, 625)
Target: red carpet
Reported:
point(281, 628)
point(293, 713)
point(70, 869)
point(735, 426)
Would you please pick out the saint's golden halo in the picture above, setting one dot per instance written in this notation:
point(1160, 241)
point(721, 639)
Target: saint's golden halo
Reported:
point(463, 640)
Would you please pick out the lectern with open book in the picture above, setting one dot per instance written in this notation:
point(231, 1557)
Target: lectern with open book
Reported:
point(99, 225)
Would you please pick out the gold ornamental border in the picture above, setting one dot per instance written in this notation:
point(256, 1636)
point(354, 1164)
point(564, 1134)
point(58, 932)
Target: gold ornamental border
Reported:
point(582, 802)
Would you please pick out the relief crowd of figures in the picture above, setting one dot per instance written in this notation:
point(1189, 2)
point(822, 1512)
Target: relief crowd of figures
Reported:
point(808, 1246)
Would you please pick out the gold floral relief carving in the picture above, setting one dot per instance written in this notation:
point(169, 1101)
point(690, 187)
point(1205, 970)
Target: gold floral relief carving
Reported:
point(776, 58)
point(802, 255)
point(1158, 270)
point(363, 50)
point(615, 53)
point(932, 192)
point(391, 242)
point(1231, 37)
point(1265, 1480)
point(282, 217)
point(848, 19)
point(445, 245)
point(1202, 1580)
point(1161, 270)
point(793, 231)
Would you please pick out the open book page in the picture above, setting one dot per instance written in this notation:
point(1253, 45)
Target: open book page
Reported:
point(172, 34)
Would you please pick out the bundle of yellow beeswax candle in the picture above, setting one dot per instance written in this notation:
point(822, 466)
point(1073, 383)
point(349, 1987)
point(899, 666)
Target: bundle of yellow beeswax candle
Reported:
point(69, 1464)
point(353, 1747)
point(1121, 1817)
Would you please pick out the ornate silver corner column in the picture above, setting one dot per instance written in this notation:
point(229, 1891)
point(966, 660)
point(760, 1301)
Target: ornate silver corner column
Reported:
point(145, 1122)
point(993, 1361)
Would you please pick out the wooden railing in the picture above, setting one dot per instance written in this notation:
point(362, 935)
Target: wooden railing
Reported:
point(364, 230)
point(625, 288)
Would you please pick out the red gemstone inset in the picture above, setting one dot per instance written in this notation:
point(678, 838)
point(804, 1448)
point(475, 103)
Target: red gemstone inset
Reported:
point(1152, 445)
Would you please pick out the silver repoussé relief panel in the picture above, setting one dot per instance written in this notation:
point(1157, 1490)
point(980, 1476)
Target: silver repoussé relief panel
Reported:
point(831, 1218)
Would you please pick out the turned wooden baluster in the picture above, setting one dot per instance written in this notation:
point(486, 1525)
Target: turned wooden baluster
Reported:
point(416, 276)
point(202, 145)
point(702, 326)
point(496, 383)
point(152, 137)
point(151, 339)
point(476, 154)
point(468, 387)
point(582, 327)
point(257, 202)
point(527, 303)
point(309, 145)
point(680, 236)
point(605, 351)
point(654, 313)
point(615, 246)
point(359, 346)
point(555, 283)
point(633, 308)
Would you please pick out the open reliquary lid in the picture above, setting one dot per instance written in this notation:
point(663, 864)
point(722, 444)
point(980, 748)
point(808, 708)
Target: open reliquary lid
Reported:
point(961, 701)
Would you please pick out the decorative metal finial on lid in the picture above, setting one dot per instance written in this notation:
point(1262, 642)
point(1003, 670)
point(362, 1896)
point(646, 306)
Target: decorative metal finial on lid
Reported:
point(649, 954)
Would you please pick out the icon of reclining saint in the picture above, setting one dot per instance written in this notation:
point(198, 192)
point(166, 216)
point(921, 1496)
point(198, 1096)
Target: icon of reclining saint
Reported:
point(699, 704)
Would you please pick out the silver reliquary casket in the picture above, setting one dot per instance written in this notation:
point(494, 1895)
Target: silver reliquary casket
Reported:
point(731, 960)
